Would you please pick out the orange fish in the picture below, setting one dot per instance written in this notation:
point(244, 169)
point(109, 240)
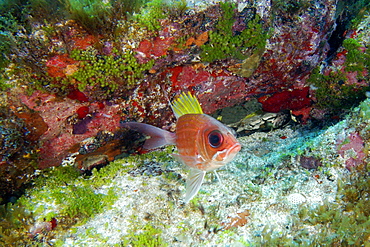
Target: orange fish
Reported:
point(203, 143)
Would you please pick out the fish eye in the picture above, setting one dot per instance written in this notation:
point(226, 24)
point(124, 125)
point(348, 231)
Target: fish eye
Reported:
point(215, 138)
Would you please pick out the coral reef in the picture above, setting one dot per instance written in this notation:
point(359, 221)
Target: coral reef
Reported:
point(352, 147)
point(344, 84)
point(275, 201)
point(18, 138)
point(290, 77)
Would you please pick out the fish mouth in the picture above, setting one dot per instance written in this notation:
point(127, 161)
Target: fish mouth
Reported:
point(234, 149)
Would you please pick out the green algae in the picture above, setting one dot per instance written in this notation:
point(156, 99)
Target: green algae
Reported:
point(106, 71)
point(143, 235)
point(63, 192)
point(13, 224)
point(9, 26)
point(4, 83)
point(223, 43)
point(156, 10)
point(14, 26)
point(364, 108)
point(71, 198)
point(356, 60)
point(151, 15)
point(94, 15)
point(346, 221)
point(333, 92)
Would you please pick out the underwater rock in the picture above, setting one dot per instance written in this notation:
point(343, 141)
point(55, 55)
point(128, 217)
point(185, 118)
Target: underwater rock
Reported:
point(155, 48)
point(277, 73)
point(225, 54)
point(288, 100)
point(18, 140)
point(63, 132)
point(99, 150)
point(289, 58)
point(310, 163)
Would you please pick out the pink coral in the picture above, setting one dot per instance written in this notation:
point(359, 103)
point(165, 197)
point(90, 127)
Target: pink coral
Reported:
point(155, 48)
point(58, 66)
point(60, 137)
point(352, 148)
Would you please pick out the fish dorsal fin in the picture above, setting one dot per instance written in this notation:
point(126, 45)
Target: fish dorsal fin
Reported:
point(186, 104)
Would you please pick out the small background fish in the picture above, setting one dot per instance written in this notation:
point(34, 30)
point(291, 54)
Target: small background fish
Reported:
point(203, 143)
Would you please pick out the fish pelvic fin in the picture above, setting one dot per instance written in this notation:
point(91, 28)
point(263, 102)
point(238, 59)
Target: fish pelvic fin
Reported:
point(158, 137)
point(193, 183)
point(186, 104)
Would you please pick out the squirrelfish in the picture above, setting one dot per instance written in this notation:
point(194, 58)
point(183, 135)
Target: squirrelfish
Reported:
point(203, 143)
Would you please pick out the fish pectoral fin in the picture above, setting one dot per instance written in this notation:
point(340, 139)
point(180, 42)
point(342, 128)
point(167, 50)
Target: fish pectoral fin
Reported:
point(185, 160)
point(177, 157)
point(193, 183)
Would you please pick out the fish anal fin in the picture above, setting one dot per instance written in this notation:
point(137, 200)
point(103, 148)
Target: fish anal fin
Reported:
point(193, 183)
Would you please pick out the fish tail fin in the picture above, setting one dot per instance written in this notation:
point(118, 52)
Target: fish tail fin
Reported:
point(158, 137)
point(186, 104)
point(193, 183)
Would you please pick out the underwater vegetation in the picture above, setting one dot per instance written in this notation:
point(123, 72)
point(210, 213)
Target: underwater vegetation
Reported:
point(344, 87)
point(62, 199)
point(106, 71)
point(72, 70)
point(156, 10)
point(345, 222)
point(234, 40)
point(148, 236)
point(21, 21)
point(290, 7)
point(82, 43)
point(64, 195)
point(94, 16)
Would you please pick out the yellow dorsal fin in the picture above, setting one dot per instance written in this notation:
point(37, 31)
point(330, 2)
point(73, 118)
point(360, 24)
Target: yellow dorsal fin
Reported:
point(186, 104)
